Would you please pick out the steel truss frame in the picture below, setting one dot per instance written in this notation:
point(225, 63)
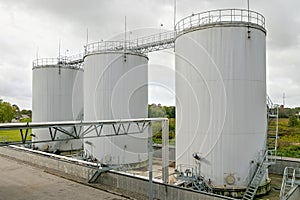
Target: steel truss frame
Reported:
point(78, 129)
point(118, 127)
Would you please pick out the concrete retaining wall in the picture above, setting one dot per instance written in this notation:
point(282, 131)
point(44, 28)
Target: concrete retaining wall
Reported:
point(283, 162)
point(157, 153)
point(114, 179)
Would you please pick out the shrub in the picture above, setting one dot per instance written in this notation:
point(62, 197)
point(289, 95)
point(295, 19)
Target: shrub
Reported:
point(293, 121)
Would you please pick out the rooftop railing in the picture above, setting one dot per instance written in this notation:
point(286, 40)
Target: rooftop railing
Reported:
point(219, 17)
point(165, 40)
point(74, 61)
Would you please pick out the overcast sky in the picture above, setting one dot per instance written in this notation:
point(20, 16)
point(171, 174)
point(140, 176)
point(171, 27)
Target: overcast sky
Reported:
point(31, 27)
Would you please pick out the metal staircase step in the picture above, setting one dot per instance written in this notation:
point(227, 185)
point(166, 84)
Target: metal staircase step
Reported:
point(272, 116)
point(272, 136)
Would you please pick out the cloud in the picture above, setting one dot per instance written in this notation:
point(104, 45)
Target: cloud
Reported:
point(34, 27)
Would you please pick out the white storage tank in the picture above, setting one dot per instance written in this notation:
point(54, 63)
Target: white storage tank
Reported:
point(221, 94)
point(57, 95)
point(115, 87)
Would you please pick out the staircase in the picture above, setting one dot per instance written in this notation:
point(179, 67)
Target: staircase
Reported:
point(258, 177)
point(272, 136)
point(270, 155)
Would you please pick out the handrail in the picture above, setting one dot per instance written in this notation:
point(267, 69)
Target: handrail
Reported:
point(143, 44)
point(219, 16)
point(74, 61)
point(289, 179)
point(134, 45)
point(35, 125)
point(105, 46)
point(155, 38)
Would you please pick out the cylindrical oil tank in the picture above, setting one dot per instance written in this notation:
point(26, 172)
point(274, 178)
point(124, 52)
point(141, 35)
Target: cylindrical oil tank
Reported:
point(221, 94)
point(57, 95)
point(115, 87)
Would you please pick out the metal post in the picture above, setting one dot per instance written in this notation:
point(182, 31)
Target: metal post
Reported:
point(248, 6)
point(174, 15)
point(276, 139)
point(125, 37)
point(150, 154)
point(165, 150)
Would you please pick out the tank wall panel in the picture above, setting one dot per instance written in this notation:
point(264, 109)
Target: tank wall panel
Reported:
point(221, 106)
point(116, 89)
point(57, 95)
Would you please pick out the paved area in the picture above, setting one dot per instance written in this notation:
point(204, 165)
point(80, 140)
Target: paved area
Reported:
point(19, 181)
point(157, 170)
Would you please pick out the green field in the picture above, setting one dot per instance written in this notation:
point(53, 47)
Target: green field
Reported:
point(156, 131)
point(289, 139)
point(12, 135)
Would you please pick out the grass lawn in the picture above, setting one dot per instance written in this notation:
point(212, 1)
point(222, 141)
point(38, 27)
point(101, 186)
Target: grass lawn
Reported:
point(12, 135)
point(289, 139)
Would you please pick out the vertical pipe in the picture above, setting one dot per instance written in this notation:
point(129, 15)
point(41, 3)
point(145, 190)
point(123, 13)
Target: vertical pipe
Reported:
point(150, 154)
point(125, 37)
point(276, 139)
point(174, 15)
point(59, 50)
point(165, 150)
point(87, 36)
point(248, 7)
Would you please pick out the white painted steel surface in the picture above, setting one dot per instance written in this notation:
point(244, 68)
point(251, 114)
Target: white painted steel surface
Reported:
point(221, 101)
point(57, 95)
point(115, 87)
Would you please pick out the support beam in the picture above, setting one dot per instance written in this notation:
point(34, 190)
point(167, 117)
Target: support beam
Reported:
point(165, 150)
point(150, 157)
point(80, 129)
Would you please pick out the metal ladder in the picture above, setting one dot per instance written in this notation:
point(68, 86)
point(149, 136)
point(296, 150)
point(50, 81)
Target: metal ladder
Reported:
point(272, 136)
point(258, 176)
point(291, 177)
point(270, 155)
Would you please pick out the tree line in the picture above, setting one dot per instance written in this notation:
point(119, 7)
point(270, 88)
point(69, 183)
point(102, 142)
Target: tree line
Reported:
point(157, 110)
point(161, 111)
point(292, 113)
point(288, 112)
point(9, 112)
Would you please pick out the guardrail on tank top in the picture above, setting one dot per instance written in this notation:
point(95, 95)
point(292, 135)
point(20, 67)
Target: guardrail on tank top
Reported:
point(69, 61)
point(218, 17)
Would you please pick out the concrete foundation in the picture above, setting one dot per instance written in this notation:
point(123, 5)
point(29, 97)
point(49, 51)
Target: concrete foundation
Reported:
point(239, 192)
